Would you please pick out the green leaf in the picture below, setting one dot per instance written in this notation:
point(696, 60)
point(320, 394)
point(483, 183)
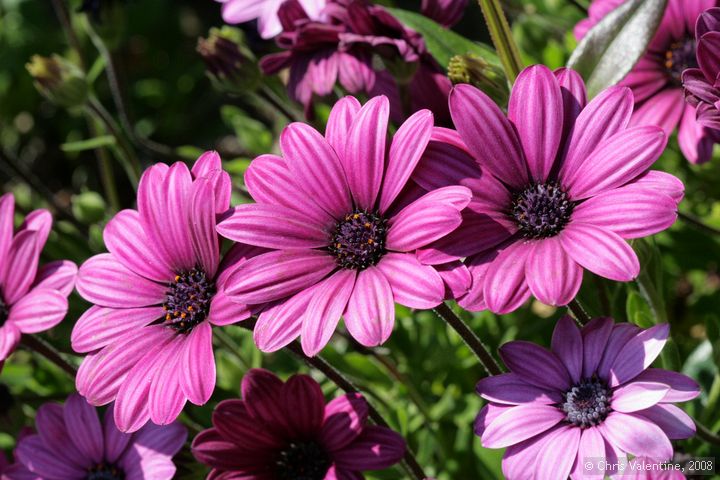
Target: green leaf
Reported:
point(442, 43)
point(88, 207)
point(89, 144)
point(638, 311)
point(613, 46)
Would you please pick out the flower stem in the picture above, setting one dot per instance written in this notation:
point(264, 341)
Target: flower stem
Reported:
point(706, 434)
point(698, 224)
point(335, 376)
point(578, 312)
point(470, 339)
point(48, 351)
point(502, 38)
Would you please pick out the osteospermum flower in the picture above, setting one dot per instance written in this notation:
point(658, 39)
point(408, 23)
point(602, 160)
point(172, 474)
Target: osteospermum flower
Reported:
point(592, 397)
point(156, 295)
point(701, 84)
point(72, 443)
point(266, 13)
point(656, 80)
point(32, 299)
point(557, 185)
point(343, 239)
point(301, 437)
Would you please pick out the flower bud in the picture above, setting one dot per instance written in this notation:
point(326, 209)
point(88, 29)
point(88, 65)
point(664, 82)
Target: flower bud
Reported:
point(477, 72)
point(231, 66)
point(58, 80)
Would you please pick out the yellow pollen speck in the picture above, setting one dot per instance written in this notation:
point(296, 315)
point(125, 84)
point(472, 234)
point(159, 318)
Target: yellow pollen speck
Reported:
point(368, 225)
point(183, 315)
point(338, 245)
point(164, 308)
point(167, 317)
point(356, 216)
point(668, 54)
point(668, 64)
point(371, 241)
point(177, 278)
point(190, 308)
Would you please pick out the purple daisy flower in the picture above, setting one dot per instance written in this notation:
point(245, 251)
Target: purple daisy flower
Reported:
point(72, 444)
point(301, 437)
point(156, 295)
point(266, 13)
point(32, 299)
point(656, 80)
point(557, 186)
point(702, 87)
point(592, 397)
point(342, 235)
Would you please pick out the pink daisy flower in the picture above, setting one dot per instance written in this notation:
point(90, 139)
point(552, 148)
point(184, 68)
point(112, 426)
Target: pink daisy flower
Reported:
point(73, 444)
point(592, 397)
point(557, 186)
point(301, 435)
point(266, 13)
point(156, 295)
point(701, 84)
point(656, 80)
point(32, 299)
point(343, 240)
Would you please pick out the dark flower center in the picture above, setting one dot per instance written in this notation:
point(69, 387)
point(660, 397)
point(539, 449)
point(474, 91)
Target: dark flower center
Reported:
point(587, 403)
point(679, 57)
point(188, 300)
point(358, 241)
point(105, 471)
point(4, 311)
point(302, 461)
point(541, 210)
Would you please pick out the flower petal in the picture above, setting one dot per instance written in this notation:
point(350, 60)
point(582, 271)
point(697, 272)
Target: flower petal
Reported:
point(406, 149)
point(9, 339)
point(490, 137)
point(552, 276)
point(567, 344)
point(364, 156)
point(595, 336)
point(114, 440)
point(32, 453)
point(512, 389)
point(345, 418)
point(601, 251)
point(278, 274)
point(638, 354)
point(280, 324)
point(7, 218)
point(637, 395)
point(375, 449)
point(325, 309)
point(83, 427)
point(39, 310)
point(505, 287)
point(636, 435)
point(209, 167)
point(682, 387)
point(304, 405)
point(316, 168)
point(198, 365)
point(205, 243)
point(21, 266)
point(58, 275)
point(106, 282)
point(536, 110)
point(127, 241)
point(273, 226)
point(676, 424)
point(535, 365)
point(339, 122)
point(413, 284)
point(100, 326)
point(370, 313)
point(520, 423)
point(557, 456)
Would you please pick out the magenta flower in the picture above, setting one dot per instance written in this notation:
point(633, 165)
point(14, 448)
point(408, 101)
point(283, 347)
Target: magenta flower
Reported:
point(72, 444)
point(656, 80)
point(445, 12)
point(343, 239)
point(592, 397)
point(701, 84)
point(32, 299)
point(301, 436)
point(557, 186)
point(156, 295)
point(266, 13)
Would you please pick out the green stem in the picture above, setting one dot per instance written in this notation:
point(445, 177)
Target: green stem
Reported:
point(502, 38)
point(706, 434)
point(579, 312)
point(698, 224)
point(711, 407)
point(470, 339)
point(48, 351)
point(225, 340)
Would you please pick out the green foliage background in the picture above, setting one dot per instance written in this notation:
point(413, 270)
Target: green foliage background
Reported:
point(423, 379)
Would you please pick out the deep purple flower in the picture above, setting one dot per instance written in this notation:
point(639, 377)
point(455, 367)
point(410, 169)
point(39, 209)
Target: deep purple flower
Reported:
point(342, 233)
point(287, 431)
point(702, 84)
point(557, 186)
point(339, 48)
point(445, 12)
point(73, 444)
point(592, 397)
point(656, 80)
point(266, 13)
point(156, 295)
point(32, 299)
